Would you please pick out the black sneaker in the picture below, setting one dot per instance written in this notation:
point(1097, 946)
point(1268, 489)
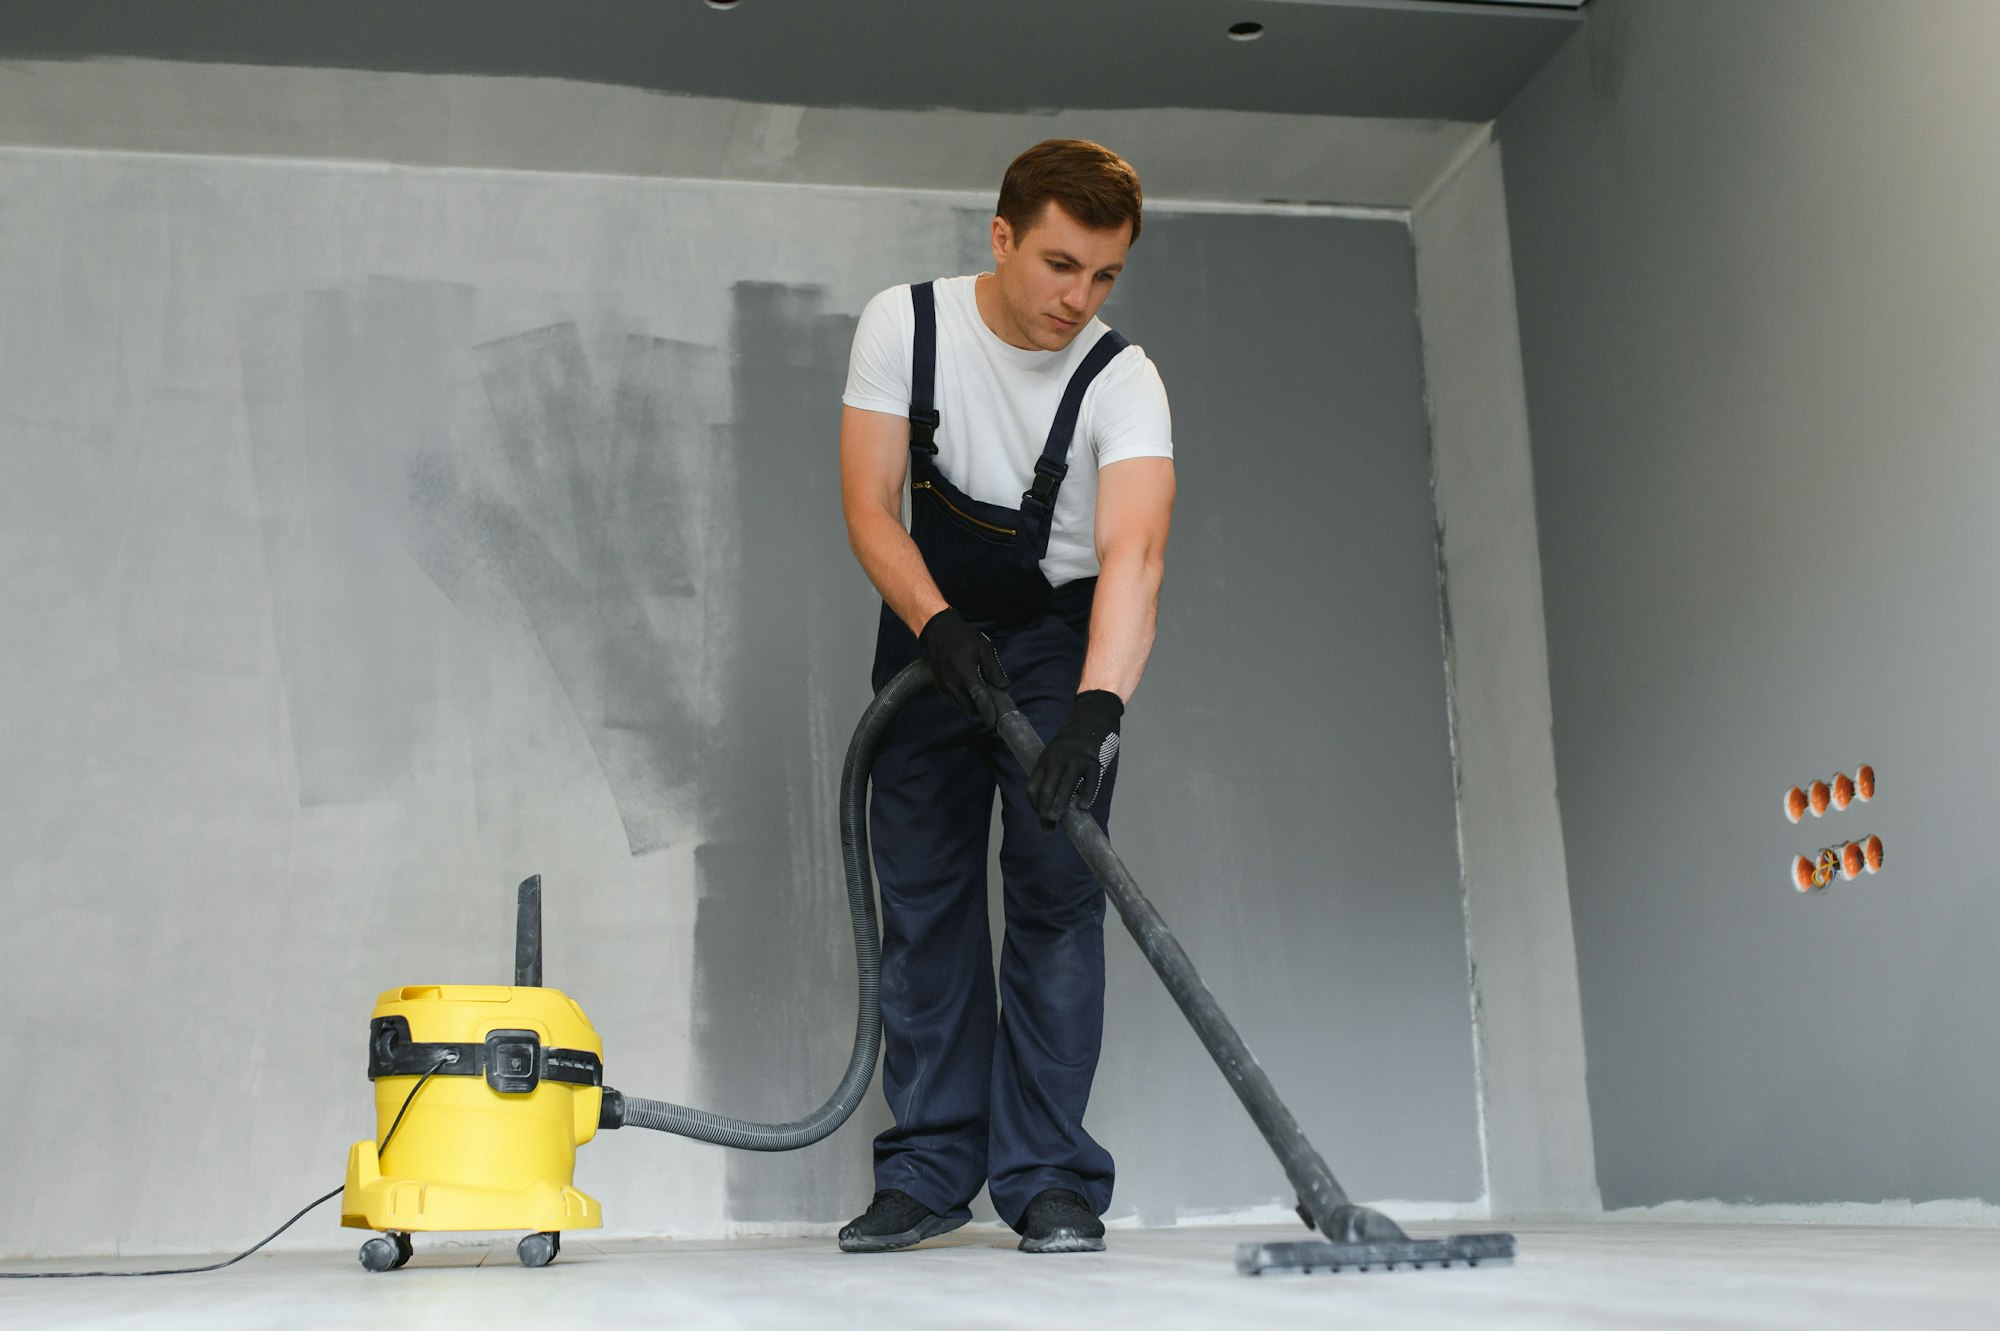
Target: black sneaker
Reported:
point(1058, 1220)
point(893, 1220)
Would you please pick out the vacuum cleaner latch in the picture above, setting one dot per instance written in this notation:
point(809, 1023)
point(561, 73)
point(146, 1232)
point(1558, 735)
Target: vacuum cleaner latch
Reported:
point(513, 1061)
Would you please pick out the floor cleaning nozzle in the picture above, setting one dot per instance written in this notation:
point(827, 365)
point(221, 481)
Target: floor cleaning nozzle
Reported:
point(1401, 1254)
point(1360, 1238)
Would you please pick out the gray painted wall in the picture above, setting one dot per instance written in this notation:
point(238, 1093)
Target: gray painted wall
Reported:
point(1288, 770)
point(370, 537)
point(1527, 1027)
point(1760, 309)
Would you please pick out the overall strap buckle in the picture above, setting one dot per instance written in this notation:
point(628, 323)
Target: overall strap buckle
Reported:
point(1048, 479)
point(924, 424)
point(1053, 464)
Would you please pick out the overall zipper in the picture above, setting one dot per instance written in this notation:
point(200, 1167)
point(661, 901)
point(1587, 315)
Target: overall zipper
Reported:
point(926, 485)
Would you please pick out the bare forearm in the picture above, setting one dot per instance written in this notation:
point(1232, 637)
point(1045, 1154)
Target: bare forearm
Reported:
point(892, 562)
point(1123, 615)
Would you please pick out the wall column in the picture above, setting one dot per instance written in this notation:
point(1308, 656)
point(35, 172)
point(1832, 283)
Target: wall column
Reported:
point(1528, 1026)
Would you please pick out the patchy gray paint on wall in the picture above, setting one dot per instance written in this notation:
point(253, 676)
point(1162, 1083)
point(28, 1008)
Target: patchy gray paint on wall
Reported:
point(376, 536)
point(1286, 795)
point(774, 952)
point(1307, 852)
point(542, 494)
point(1759, 304)
point(337, 386)
point(337, 599)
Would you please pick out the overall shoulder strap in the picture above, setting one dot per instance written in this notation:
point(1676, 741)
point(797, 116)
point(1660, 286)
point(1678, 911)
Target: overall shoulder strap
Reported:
point(923, 370)
point(1053, 464)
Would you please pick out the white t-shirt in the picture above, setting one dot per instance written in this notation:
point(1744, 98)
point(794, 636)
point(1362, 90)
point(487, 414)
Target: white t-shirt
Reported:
point(998, 401)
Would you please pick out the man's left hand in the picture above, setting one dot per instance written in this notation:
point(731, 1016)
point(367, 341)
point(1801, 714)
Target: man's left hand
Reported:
point(1076, 759)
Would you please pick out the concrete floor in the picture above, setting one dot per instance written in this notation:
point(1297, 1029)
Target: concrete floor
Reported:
point(1606, 1274)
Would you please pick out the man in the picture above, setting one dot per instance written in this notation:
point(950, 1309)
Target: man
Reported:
point(1038, 453)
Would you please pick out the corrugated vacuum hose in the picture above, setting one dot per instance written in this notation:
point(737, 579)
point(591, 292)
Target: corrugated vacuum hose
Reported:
point(632, 1111)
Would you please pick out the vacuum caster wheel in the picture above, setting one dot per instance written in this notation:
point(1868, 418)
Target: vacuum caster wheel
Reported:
point(403, 1250)
point(539, 1249)
point(381, 1253)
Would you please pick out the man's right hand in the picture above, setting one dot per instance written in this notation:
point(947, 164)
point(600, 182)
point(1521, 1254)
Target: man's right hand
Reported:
point(963, 662)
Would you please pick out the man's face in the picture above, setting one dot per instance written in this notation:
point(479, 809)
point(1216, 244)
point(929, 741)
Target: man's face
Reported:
point(1052, 277)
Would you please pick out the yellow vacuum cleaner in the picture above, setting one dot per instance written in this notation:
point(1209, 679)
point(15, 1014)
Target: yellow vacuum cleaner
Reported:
point(518, 1075)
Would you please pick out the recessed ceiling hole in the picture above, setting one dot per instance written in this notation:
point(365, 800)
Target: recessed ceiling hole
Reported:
point(722, 4)
point(1238, 32)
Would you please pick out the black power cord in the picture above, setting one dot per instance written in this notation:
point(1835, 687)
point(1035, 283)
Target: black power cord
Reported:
point(217, 1266)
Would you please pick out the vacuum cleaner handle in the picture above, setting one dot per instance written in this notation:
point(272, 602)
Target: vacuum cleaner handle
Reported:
point(1323, 1203)
point(528, 933)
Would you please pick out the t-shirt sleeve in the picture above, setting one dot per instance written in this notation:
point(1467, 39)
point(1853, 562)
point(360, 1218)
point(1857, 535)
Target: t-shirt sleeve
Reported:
point(878, 367)
point(1129, 417)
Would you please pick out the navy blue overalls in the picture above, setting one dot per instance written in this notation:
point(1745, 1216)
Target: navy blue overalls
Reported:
point(982, 1096)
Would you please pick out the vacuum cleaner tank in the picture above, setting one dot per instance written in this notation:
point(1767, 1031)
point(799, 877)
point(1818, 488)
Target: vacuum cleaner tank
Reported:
point(515, 1085)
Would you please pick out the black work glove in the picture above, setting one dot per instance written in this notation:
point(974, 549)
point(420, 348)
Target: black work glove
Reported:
point(1075, 761)
point(963, 662)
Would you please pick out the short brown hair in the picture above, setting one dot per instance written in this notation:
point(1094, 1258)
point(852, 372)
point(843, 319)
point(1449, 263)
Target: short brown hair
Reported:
point(1093, 184)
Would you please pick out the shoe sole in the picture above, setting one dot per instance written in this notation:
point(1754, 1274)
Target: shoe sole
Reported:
point(1064, 1240)
point(909, 1238)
